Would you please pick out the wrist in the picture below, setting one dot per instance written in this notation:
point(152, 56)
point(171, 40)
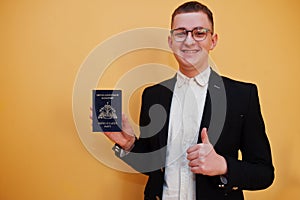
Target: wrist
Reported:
point(129, 145)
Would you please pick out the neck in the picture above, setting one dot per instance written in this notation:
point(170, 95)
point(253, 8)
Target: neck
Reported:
point(187, 71)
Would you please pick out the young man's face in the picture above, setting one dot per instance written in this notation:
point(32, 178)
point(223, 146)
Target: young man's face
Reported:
point(192, 55)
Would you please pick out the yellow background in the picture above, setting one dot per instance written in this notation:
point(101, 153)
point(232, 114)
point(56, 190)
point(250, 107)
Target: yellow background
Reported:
point(43, 44)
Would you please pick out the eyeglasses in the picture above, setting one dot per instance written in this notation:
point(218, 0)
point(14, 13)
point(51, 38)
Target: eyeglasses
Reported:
point(198, 33)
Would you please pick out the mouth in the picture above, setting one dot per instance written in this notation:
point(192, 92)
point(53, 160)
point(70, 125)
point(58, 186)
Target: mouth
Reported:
point(190, 51)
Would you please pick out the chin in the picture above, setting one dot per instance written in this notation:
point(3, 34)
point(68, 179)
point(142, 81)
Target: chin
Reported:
point(191, 63)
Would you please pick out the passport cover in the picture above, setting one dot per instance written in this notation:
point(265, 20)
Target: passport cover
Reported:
point(107, 110)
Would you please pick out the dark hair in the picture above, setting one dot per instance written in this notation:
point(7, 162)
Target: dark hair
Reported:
point(193, 6)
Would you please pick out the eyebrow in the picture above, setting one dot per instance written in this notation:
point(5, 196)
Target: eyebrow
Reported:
point(187, 29)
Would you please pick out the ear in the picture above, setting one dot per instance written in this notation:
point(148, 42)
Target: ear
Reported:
point(170, 42)
point(214, 40)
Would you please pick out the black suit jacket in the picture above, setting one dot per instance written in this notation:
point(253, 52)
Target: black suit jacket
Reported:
point(234, 121)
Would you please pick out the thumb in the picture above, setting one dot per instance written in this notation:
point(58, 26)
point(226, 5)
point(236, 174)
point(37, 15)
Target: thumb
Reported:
point(204, 136)
point(127, 129)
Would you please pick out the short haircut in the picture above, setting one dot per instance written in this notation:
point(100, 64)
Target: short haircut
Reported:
point(193, 6)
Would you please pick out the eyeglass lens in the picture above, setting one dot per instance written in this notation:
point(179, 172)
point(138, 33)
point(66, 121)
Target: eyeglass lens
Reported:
point(199, 34)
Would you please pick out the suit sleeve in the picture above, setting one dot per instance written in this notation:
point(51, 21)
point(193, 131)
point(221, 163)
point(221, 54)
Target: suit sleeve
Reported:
point(255, 171)
point(139, 157)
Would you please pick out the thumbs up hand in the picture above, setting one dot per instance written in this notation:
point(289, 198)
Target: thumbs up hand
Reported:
point(126, 137)
point(203, 159)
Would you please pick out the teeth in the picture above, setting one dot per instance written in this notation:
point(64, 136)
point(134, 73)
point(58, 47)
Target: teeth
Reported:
point(190, 51)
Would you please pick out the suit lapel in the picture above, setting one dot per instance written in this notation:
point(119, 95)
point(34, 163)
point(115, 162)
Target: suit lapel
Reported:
point(214, 111)
point(206, 114)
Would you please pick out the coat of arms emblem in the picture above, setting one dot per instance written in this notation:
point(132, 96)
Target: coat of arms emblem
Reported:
point(107, 112)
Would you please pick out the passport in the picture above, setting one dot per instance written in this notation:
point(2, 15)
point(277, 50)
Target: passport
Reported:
point(107, 110)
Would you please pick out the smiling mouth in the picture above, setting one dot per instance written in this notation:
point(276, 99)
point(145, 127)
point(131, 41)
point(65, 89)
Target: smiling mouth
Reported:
point(190, 51)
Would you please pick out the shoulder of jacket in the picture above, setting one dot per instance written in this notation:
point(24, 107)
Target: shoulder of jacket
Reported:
point(229, 82)
point(166, 84)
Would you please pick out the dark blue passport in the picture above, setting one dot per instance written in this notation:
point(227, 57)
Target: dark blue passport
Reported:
point(107, 110)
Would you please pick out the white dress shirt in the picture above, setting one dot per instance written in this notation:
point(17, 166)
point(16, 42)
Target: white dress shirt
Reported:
point(180, 182)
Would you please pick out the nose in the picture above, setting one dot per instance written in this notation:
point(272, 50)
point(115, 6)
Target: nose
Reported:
point(189, 39)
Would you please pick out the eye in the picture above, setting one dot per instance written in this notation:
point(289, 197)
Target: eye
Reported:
point(179, 33)
point(200, 33)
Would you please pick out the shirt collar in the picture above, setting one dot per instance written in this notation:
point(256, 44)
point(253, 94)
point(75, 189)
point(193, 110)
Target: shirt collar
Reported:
point(201, 79)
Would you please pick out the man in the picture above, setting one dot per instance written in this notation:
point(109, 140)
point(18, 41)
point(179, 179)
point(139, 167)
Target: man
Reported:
point(189, 149)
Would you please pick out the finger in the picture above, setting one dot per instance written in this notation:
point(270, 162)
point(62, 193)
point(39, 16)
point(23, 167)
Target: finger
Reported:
point(197, 170)
point(198, 155)
point(197, 162)
point(193, 164)
point(125, 122)
point(204, 136)
point(202, 152)
point(113, 135)
point(200, 170)
point(110, 136)
point(193, 148)
point(126, 125)
point(91, 114)
point(193, 155)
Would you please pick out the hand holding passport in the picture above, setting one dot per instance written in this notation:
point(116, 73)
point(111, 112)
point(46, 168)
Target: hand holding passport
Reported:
point(107, 117)
point(124, 138)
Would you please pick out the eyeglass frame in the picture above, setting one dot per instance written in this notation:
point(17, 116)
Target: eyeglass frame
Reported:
point(191, 31)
